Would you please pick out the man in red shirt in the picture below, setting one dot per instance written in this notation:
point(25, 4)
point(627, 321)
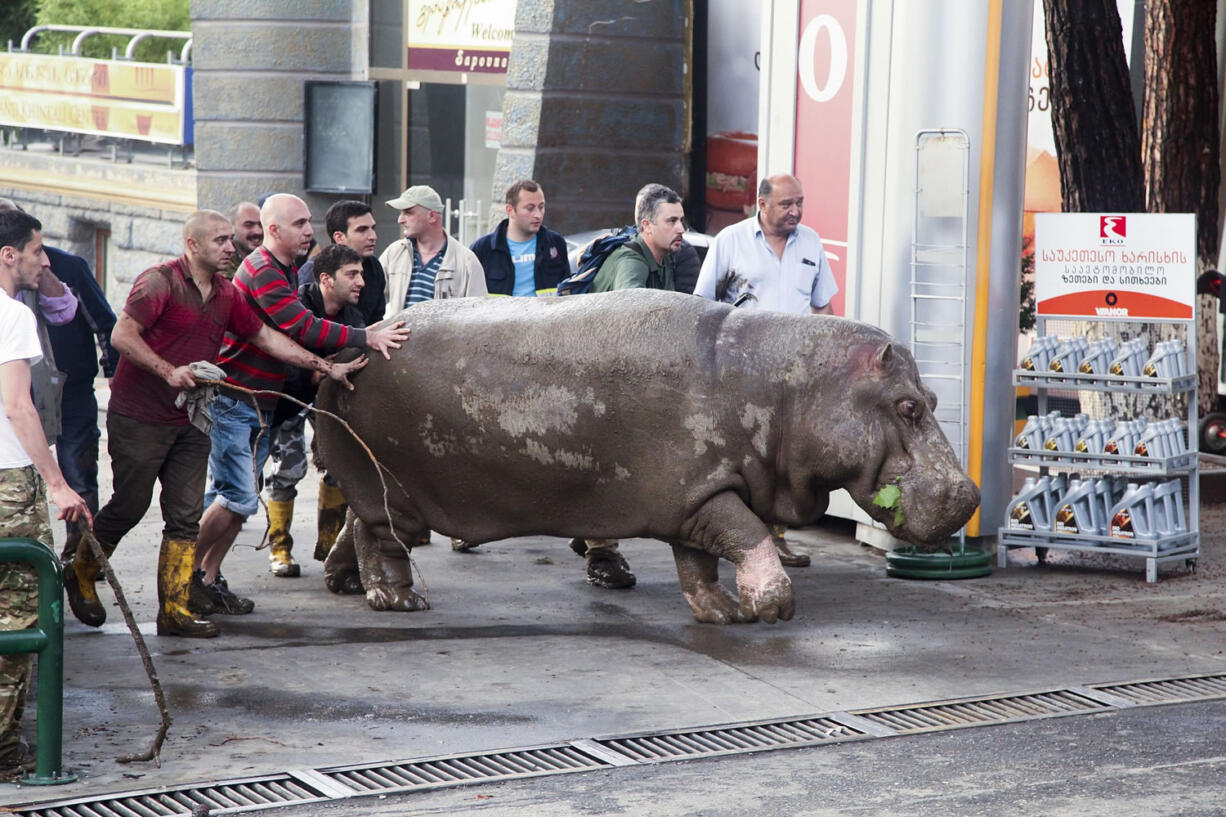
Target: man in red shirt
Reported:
point(268, 280)
point(175, 315)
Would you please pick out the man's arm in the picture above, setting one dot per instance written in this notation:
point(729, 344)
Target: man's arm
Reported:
point(126, 337)
point(712, 268)
point(476, 276)
point(19, 408)
point(284, 349)
point(824, 287)
point(281, 305)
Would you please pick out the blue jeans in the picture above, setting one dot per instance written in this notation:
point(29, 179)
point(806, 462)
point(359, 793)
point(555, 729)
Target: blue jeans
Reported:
point(237, 455)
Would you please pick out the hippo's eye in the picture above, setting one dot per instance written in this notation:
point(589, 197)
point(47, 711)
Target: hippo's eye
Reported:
point(911, 410)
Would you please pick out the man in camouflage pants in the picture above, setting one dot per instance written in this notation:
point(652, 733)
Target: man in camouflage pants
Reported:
point(24, 456)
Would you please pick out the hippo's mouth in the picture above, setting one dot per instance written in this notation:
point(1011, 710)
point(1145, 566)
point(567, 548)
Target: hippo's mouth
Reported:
point(926, 522)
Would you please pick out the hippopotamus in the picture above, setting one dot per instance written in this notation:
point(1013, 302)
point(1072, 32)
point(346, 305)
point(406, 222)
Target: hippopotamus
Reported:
point(636, 413)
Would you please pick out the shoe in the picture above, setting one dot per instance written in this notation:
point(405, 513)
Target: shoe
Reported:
point(198, 599)
point(280, 542)
point(81, 575)
point(606, 567)
point(226, 601)
point(174, 585)
point(462, 545)
point(786, 557)
point(329, 519)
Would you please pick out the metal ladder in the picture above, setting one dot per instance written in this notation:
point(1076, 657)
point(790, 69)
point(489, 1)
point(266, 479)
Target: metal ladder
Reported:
point(938, 277)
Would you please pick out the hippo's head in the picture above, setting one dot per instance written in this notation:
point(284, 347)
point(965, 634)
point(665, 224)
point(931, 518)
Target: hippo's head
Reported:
point(901, 468)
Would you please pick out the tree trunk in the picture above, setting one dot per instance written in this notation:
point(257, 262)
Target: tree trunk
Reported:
point(1093, 118)
point(1181, 148)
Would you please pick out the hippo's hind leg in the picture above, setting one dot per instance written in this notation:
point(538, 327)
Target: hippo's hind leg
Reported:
point(385, 570)
point(698, 572)
point(341, 565)
point(725, 526)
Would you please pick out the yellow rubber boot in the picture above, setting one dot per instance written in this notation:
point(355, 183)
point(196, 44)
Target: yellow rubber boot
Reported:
point(280, 543)
point(80, 574)
point(330, 519)
point(174, 583)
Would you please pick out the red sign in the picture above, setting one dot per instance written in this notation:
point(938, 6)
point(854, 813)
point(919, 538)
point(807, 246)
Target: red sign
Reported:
point(824, 86)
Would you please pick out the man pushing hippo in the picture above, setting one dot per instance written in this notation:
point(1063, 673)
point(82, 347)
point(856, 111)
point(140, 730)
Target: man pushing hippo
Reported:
point(637, 413)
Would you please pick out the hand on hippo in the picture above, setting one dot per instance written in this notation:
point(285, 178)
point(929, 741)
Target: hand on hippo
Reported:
point(340, 371)
point(386, 338)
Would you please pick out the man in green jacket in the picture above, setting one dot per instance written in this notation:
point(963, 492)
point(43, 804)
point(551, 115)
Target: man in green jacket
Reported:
point(646, 262)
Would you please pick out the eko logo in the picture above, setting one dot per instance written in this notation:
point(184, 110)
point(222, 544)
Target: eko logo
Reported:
point(1112, 229)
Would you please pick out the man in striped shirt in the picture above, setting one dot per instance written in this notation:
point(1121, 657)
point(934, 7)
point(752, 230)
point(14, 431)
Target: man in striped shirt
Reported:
point(267, 278)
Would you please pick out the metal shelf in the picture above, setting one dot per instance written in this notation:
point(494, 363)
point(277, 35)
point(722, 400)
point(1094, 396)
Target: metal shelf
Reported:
point(1147, 467)
point(1156, 549)
point(1104, 382)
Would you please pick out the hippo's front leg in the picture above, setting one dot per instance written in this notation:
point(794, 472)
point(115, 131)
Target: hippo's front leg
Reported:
point(725, 527)
point(698, 572)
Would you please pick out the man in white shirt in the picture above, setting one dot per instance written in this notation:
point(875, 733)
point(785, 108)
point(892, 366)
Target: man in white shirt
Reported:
point(25, 462)
point(771, 261)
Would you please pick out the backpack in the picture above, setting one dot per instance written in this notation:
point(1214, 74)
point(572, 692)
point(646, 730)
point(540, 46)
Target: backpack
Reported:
point(592, 258)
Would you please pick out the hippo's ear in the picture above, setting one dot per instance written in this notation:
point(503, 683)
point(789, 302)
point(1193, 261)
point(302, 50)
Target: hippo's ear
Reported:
point(885, 359)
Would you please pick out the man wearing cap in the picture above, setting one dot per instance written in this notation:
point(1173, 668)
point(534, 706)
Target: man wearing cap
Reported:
point(427, 263)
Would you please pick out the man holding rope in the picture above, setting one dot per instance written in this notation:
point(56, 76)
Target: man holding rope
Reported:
point(175, 315)
point(25, 462)
point(268, 281)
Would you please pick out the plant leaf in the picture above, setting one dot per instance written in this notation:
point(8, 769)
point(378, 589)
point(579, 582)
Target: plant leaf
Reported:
point(888, 496)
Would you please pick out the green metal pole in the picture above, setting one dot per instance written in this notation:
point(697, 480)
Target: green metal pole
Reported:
point(48, 641)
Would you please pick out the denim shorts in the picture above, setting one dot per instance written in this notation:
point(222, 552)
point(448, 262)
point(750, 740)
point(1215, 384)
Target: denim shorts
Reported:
point(235, 458)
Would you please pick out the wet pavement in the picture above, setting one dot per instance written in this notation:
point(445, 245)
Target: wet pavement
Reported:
point(518, 650)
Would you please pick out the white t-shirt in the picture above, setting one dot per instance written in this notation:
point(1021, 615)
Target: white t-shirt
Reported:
point(742, 268)
point(18, 341)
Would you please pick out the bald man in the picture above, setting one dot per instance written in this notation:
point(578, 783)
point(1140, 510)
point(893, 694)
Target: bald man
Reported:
point(268, 281)
point(248, 233)
point(176, 314)
point(770, 261)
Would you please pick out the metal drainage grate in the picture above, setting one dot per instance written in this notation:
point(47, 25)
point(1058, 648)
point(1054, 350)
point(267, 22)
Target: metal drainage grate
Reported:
point(1172, 690)
point(980, 711)
point(654, 747)
point(250, 794)
point(333, 783)
point(454, 770)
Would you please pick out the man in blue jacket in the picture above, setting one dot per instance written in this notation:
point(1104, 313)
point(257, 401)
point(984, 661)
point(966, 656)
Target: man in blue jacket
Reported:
point(80, 345)
point(523, 257)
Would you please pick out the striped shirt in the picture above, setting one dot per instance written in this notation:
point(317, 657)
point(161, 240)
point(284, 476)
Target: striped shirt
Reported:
point(266, 283)
point(421, 283)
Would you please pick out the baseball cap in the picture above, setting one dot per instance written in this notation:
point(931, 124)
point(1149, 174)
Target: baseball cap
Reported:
point(420, 195)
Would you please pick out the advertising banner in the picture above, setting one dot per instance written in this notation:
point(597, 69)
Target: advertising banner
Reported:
point(1115, 265)
point(473, 36)
point(128, 100)
point(824, 85)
